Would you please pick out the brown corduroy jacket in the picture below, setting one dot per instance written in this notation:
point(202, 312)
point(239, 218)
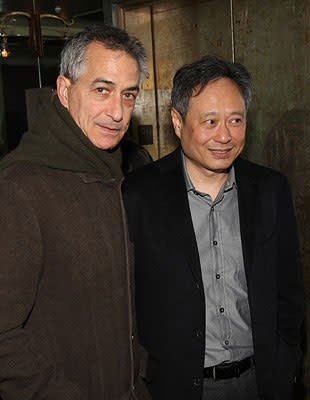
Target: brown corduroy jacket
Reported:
point(66, 301)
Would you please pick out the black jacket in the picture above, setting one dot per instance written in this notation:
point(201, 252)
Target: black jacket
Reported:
point(169, 289)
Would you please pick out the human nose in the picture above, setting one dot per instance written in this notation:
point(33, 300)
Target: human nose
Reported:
point(115, 108)
point(223, 134)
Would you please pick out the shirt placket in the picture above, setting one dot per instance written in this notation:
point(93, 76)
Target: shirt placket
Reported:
point(221, 310)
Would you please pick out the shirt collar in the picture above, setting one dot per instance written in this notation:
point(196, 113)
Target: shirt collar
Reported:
point(229, 183)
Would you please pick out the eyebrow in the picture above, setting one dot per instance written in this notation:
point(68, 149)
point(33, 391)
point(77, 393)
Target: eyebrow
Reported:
point(210, 113)
point(107, 82)
point(102, 80)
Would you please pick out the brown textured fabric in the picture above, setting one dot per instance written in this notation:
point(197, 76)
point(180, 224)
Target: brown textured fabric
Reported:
point(66, 304)
point(57, 142)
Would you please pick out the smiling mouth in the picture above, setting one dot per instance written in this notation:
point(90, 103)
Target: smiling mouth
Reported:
point(109, 130)
point(220, 153)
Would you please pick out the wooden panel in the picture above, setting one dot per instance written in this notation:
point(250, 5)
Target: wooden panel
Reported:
point(138, 23)
point(183, 32)
point(273, 41)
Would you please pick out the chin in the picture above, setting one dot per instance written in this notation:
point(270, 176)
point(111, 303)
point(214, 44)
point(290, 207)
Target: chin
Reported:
point(105, 144)
point(221, 165)
point(106, 147)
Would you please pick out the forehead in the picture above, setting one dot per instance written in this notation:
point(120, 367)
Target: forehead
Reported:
point(99, 60)
point(218, 94)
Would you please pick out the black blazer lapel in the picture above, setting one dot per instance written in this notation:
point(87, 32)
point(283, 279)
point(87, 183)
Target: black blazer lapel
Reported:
point(247, 197)
point(175, 209)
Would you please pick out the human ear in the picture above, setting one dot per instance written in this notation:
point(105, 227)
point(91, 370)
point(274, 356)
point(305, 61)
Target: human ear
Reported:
point(177, 122)
point(63, 85)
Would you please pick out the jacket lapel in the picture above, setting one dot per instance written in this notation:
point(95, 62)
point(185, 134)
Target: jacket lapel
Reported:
point(247, 197)
point(176, 211)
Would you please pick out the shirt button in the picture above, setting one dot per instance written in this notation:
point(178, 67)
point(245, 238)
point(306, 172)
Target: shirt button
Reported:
point(215, 242)
point(197, 286)
point(196, 381)
point(217, 276)
point(212, 208)
point(222, 310)
point(226, 342)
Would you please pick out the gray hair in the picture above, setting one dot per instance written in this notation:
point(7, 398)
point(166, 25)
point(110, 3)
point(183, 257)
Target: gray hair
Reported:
point(198, 74)
point(72, 59)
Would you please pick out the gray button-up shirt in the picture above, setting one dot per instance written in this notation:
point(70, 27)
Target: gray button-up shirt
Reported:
point(217, 230)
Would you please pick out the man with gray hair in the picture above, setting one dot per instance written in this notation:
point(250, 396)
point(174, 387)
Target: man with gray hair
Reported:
point(218, 290)
point(67, 328)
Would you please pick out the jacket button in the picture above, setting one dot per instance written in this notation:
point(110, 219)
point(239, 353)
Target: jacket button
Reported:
point(196, 381)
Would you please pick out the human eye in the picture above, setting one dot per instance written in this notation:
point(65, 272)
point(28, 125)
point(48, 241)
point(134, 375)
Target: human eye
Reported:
point(130, 96)
point(210, 122)
point(236, 121)
point(101, 90)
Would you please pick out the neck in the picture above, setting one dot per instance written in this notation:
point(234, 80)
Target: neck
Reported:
point(204, 180)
